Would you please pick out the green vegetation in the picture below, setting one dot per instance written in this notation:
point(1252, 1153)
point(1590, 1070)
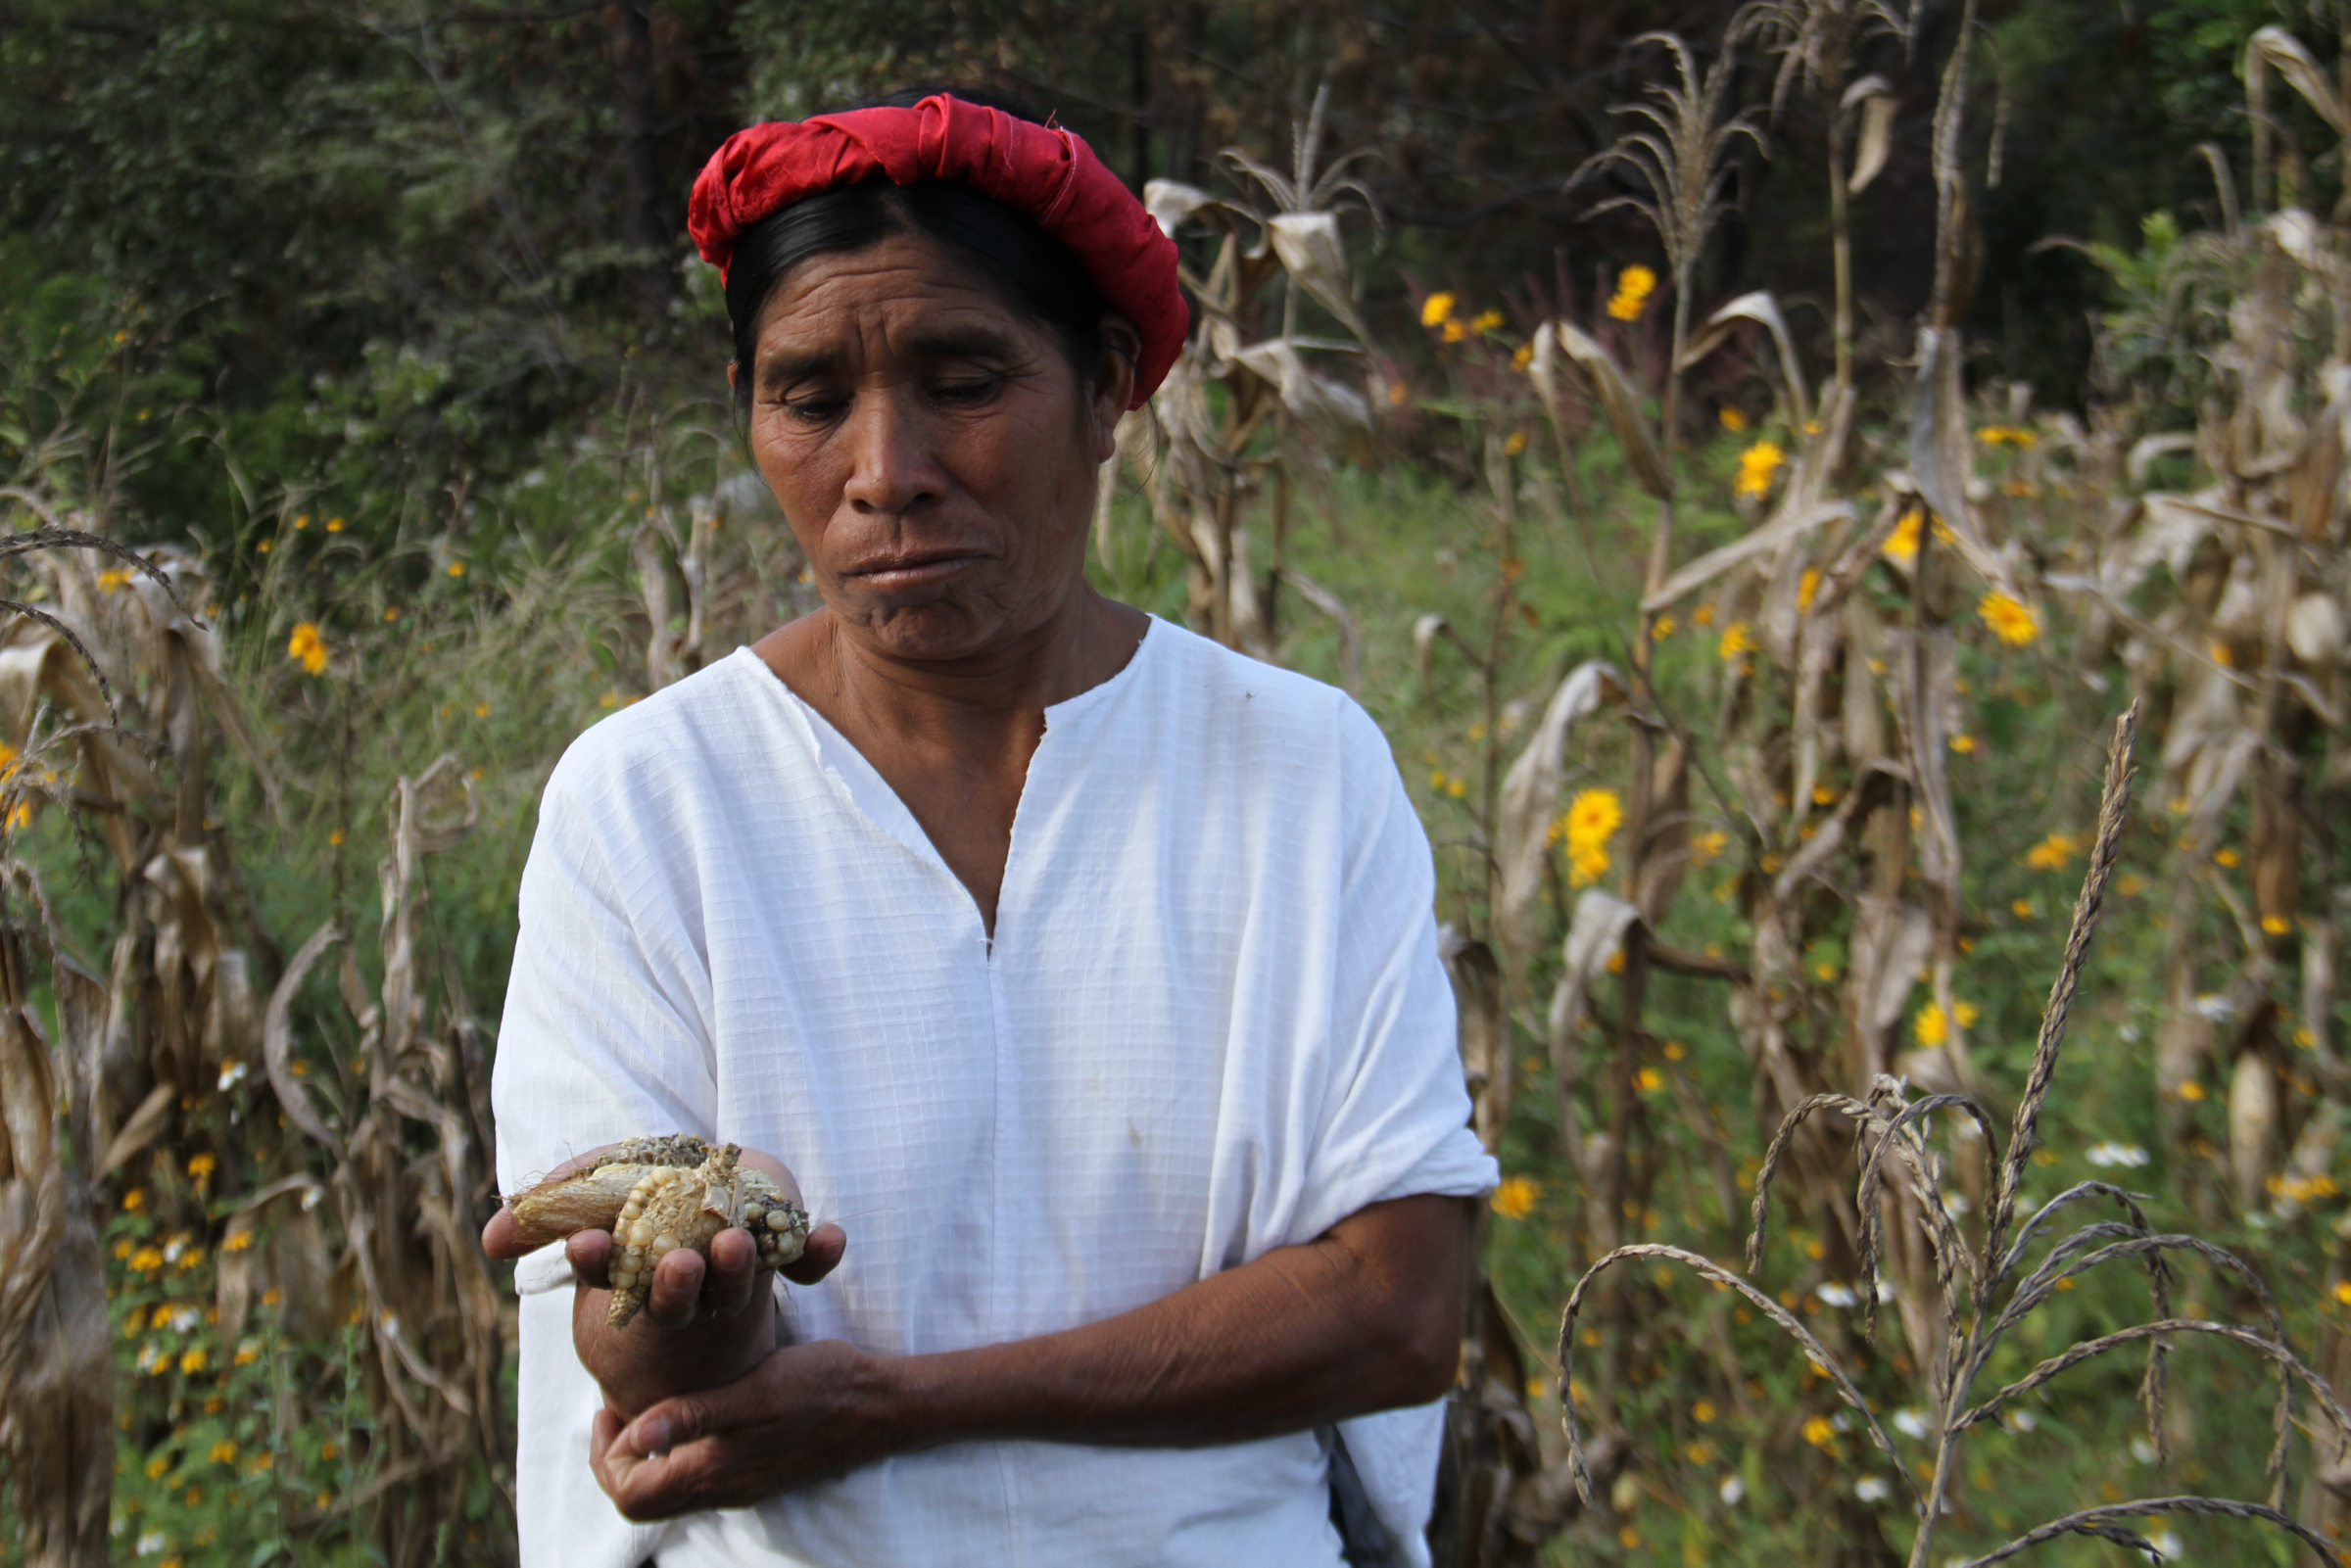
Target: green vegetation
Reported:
point(351, 321)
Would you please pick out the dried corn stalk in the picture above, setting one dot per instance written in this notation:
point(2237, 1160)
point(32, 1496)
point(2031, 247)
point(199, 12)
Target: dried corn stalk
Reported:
point(1984, 1293)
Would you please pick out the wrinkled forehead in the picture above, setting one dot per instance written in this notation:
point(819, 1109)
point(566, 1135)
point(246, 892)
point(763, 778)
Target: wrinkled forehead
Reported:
point(903, 296)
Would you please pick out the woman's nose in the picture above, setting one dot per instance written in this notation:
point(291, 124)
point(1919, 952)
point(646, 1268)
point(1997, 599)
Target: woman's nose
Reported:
point(891, 467)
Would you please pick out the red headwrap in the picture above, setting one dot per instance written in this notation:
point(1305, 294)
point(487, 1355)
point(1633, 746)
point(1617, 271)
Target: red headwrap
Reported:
point(1044, 172)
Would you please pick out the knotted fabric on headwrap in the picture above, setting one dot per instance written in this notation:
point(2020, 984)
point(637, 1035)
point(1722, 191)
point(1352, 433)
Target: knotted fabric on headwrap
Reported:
point(1041, 171)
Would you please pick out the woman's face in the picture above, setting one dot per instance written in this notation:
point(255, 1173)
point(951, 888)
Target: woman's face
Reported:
point(932, 448)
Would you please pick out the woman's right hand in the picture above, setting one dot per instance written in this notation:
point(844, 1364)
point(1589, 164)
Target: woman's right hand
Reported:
point(702, 1325)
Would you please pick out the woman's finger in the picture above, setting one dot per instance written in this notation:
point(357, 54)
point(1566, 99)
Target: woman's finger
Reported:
point(590, 1254)
point(734, 1270)
point(820, 1257)
point(677, 1289)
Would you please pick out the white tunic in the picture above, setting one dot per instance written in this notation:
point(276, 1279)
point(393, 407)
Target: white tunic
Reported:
point(1213, 1022)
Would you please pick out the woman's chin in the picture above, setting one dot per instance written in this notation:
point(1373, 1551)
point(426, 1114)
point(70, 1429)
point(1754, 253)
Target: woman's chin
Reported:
point(938, 630)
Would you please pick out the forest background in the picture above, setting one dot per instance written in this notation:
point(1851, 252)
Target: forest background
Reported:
point(375, 327)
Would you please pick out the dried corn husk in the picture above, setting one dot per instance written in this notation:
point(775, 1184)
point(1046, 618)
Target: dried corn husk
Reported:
point(1530, 799)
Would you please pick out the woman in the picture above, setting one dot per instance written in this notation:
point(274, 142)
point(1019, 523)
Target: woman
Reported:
point(1084, 969)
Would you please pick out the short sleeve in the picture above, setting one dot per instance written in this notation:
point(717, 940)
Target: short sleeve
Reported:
point(1395, 1120)
point(604, 1035)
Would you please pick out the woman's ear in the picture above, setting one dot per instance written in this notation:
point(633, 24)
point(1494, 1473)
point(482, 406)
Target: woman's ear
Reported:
point(1114, 381)
point(731, 369)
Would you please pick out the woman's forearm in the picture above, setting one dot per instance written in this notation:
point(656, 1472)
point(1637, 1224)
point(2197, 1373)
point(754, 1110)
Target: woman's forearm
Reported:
point(1362, 1319)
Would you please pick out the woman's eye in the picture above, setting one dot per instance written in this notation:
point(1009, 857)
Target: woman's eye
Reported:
point(814, 409)
point(966, 390)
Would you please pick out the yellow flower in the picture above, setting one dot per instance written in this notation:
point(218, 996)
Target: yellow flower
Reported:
point(2221, 654)
point(1902, 546)
point(248, 1353)
point(1965, 1013)
point(302, 520)
point(1704, 615)
point(118, 577)
point(1590, 821)
point(2021, 908)
point(224, 1452)
point(2130, 886)
point(1963, 743)
point(201, 1166)
point(2225, 856)
point(1516, 443)
point(1756, 465)
point(1515, 1198)
point(157, 1465)
point(1523, 356)
point(2052, 853)
point(2191, 1090)
point(1807, 588)
point(2010, 621)
point(1648, 1080)
point(334, 840)
point(262, 548)
point(1707, 845)
point(1435, 308)
point(2006, 435)
point(1819, 1431)
point(334, 525)
point(1929, 1027)
point(1737, 642)
point(1675, 1050)
point(134, 1199)
point(391, 612)
point(1703, 1412)
point(1732, 419)
point(456, 568)
point(192, 1361)
point(122, 1247)
point(2275, 924)
point(328, 1450)
point(260, 1462)
point(1634, 286)
point(1629, 1539)
point(307, 647)
point(1663, 629)
point(272, 1295)
point(1485, 322)
point(2342, 1292)
point(146, 1259)
point(481, 711)
point(1453, 332)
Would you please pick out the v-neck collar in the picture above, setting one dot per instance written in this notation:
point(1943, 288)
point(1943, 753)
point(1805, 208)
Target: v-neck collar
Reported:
point(872, 795)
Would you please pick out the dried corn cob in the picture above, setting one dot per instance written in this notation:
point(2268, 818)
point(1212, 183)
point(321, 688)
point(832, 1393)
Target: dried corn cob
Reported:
point(656, 1195)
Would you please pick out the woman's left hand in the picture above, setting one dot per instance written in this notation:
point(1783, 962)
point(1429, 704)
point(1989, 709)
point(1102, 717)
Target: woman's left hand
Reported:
point(805, 1413)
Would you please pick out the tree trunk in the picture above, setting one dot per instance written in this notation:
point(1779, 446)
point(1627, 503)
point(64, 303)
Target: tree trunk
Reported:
point(645, 222)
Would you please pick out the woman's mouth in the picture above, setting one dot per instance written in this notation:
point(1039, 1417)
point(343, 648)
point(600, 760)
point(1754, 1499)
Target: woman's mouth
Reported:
point(912, 568)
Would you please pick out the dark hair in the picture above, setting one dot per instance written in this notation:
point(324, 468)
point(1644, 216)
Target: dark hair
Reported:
point(1032, 272)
